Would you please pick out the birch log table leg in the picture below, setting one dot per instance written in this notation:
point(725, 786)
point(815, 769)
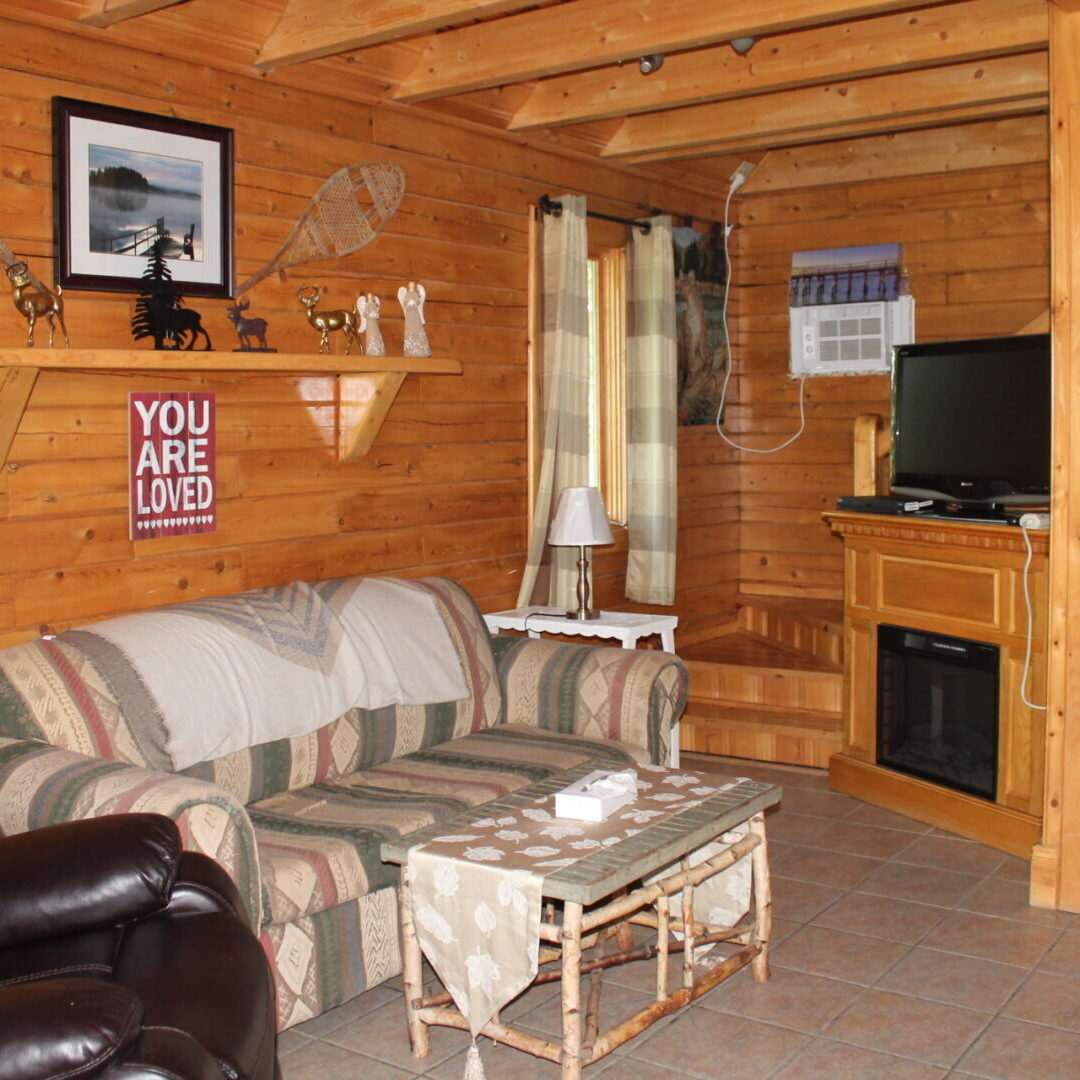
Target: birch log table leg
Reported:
point(759, 860)
point(571, 991)
point(413, 974)
point(596, 982)
point(688, 930)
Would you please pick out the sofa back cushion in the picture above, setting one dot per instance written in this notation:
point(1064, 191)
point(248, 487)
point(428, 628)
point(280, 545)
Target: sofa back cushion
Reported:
point(362, 738)
point(62, 692)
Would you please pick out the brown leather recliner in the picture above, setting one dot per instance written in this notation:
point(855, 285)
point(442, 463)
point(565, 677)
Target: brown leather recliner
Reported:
point(124, 958)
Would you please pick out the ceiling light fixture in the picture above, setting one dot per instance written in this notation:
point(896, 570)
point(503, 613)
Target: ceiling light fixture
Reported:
point(742, 45)
point(649, 64)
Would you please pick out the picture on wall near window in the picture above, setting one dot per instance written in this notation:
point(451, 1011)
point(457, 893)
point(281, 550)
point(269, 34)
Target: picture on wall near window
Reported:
point(129, 183)
point(700, 286)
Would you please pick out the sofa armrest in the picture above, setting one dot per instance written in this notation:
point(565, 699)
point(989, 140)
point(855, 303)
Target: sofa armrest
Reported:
point(42, 785)
point(630, 695)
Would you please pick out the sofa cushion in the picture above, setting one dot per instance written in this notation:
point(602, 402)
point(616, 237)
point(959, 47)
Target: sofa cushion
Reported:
point(319, 846)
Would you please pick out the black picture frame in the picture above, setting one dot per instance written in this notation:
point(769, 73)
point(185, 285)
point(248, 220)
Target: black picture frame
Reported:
point(142, 163)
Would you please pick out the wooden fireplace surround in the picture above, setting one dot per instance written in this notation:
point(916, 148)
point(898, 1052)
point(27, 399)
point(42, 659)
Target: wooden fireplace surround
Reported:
point(945, 577)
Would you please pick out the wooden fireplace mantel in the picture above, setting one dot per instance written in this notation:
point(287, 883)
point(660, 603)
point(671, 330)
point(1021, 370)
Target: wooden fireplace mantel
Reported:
point(952, 577)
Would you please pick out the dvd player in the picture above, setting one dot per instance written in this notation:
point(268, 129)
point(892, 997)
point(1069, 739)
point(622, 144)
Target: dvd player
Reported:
point(883, 504)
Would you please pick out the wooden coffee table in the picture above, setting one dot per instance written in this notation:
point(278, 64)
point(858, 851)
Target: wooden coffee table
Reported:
point(590, 906)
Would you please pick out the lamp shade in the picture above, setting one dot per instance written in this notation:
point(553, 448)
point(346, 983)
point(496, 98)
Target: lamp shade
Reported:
point(580, 518)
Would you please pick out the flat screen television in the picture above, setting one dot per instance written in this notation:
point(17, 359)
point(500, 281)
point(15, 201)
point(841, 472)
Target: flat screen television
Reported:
point(971, 421)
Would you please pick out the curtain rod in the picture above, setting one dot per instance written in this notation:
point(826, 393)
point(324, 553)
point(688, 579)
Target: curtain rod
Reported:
point(550, 206)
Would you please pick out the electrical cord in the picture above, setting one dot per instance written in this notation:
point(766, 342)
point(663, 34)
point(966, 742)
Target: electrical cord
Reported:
point(554, 613)
point(737, 182)
point(1030, 623)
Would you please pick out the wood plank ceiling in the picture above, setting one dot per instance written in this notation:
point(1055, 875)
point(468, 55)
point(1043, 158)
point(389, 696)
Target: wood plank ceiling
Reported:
point(819, 73)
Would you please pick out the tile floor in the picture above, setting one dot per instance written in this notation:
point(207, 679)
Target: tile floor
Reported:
point(900, 953)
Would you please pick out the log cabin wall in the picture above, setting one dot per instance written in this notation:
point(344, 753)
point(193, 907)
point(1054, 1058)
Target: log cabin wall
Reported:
point(443, 490)
point(976, 244)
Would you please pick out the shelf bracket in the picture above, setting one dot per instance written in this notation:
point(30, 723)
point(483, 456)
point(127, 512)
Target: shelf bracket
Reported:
point(363, 402)
point(16, 386)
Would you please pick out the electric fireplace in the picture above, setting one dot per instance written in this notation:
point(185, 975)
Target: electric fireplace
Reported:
point(937, 709)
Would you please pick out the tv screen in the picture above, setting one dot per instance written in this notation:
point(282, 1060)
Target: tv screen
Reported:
point(971, 420)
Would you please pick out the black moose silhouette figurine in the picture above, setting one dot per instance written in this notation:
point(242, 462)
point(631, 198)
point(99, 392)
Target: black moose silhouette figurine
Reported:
point(159, 310)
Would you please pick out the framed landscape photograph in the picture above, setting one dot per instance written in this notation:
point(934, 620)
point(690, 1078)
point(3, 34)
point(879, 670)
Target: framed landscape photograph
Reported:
point(128, 182)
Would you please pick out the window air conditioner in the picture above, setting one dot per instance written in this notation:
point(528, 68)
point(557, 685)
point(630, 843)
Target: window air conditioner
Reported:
point(845, 339)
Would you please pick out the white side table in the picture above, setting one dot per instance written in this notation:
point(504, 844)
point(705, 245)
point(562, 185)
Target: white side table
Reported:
point(626, 626)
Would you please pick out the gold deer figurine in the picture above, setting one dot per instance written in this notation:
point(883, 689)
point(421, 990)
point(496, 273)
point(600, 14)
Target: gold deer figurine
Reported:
point(34, 305)
point(328, 321)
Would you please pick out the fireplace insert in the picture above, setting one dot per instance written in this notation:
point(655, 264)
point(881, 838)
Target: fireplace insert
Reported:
point(937, 708)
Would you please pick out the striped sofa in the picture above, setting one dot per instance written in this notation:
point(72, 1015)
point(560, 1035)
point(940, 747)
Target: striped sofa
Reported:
point(298, 823)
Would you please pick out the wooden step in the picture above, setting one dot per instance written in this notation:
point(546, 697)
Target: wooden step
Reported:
point(748, 650)
point(737, 669)
point(770, 689)
point(811, 626)
point(761, 734)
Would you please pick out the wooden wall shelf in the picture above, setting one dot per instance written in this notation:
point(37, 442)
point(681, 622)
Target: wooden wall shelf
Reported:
point(366, 385)
point(945, 577)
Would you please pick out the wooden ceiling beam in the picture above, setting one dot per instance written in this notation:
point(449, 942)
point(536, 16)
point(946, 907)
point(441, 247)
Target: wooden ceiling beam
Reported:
point(309, 29)
point(588, 33)
point(107, 12)
point(1019, 141)
point(986, 82)
point(1037, 103)
point(969, 30)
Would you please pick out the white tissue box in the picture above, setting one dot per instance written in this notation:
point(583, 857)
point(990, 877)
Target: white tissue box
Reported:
point(596, 796)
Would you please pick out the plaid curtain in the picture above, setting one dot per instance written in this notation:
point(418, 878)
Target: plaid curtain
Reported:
point(651, 401)
point(564, 348)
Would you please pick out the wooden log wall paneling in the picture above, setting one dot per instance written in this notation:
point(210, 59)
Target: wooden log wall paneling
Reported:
point(443, 490)
point(976, 246)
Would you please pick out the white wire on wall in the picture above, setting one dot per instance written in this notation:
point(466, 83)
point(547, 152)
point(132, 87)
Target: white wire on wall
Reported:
point(1026, 577)
point(736, 183)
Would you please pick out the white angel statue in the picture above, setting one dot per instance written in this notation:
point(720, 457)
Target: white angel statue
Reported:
point(411, 297)
point(367, 311)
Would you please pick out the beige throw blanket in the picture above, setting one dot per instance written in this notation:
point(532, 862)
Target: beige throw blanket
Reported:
point(227, 673)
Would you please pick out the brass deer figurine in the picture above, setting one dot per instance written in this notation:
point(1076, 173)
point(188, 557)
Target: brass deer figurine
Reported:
point(327, 322)
point(34, 305)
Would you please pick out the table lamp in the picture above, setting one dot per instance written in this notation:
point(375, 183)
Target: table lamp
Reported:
point(580, 521)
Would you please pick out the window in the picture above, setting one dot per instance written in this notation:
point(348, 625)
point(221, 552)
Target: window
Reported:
point(607, 379)
point(607, 332)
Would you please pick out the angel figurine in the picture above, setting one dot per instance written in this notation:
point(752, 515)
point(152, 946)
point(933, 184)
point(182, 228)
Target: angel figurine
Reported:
point(367, 310)
point(411, 298)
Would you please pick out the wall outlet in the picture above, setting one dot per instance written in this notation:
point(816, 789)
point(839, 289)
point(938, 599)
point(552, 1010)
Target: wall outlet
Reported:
point(741, 175)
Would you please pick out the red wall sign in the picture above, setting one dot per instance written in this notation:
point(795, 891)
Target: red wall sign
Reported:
point(172, 455)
